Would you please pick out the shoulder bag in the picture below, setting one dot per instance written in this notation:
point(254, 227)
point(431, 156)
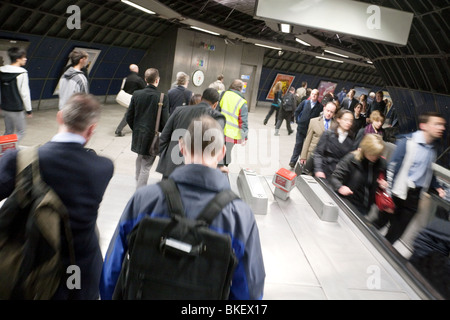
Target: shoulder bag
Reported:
point(154, 147)
point(123, 98)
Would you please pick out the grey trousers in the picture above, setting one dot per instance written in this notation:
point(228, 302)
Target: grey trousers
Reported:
point(143, 166)
point(15, 122)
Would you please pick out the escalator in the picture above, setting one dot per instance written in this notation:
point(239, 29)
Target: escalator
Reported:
point(338, 263)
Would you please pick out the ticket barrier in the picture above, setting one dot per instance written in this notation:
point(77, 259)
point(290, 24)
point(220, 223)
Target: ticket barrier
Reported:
point(318, 198)
point(252, 191)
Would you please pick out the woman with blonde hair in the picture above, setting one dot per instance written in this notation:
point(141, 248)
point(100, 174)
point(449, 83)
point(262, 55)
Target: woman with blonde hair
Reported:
point(375, 126)
point(357, 175)
point(276, 104)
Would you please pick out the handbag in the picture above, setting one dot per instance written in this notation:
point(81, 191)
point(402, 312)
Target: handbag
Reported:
point(383, 200)
point(123, 98)
point(154, 146)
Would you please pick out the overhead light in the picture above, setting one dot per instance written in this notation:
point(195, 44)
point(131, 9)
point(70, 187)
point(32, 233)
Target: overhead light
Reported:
point(137, 6)
point(265, 46)
point(337, 54)
point(286, 28)
point(329, 59)
point(302, 42)
point(207, 31)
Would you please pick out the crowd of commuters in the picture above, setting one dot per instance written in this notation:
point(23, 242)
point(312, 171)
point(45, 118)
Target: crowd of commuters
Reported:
point(339, 139)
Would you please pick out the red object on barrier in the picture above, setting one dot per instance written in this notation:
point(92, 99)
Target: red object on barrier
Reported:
point(284, 179)
point(8, 142)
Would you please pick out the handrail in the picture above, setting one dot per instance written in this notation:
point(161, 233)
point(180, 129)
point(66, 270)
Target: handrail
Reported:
point(406, 270)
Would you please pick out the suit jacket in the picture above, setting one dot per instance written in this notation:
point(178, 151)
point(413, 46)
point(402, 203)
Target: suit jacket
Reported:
point(303, 114)
point(315, 130)
point(346, 101)
point(80, 179)
point(180, 120)
point(141, 117)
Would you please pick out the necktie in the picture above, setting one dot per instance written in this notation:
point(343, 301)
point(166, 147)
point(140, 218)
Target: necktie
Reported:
point(326, 124)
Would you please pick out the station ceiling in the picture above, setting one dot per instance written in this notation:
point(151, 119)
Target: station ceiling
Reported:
point(423, 64)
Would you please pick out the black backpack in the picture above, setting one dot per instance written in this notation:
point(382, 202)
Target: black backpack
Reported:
point(178, 258)
point(30, 235)
point(288, 102)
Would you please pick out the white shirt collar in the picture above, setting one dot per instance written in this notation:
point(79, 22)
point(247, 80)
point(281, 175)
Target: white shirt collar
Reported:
point(69, 137)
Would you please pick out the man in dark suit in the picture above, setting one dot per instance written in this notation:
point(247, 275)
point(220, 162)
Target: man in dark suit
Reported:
point(179, 121)
point(350, 102)
point(132, 83)
point(141, 117)
point(306, 110)
point(378, 104)
point(79, 177)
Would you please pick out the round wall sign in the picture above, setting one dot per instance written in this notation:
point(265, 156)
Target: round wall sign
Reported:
point(198, 77)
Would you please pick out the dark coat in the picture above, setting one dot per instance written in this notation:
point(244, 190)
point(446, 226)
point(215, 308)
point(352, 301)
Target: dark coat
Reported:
point(329, 151)
point(303, 114)
point(141, 117)
point(80, 179)
point(178, 96)
point(361, 177)
point(375, 105)
point(133, 82)
point(345, 104)
point(180, 119)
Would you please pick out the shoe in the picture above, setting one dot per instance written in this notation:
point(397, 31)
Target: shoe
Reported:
point(292, 165)
point(265, 121)
point(276, 134)
point(290, 132)
point(119, 134)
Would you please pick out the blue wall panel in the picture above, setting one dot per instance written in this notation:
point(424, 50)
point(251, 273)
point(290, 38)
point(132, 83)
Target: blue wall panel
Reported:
point(47, 59)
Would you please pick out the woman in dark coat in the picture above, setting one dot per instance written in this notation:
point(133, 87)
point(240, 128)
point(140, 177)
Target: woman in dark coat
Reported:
point(275, 107)
point(334, 144)
point(356, 176)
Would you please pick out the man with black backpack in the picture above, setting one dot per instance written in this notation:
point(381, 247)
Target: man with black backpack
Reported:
point(198, 184)
point(15, 93)
point(286, 111)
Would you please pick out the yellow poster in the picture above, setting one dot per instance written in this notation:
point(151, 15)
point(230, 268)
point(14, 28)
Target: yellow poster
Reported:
point(285, 79)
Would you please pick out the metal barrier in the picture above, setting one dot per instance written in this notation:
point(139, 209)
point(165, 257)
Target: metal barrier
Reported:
point(318, 198)
point(252, 191)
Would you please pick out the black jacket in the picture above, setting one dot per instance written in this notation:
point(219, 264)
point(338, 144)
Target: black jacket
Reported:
point(178, 96)
point(304, 113)
point(351, 107)
point(329, 151)
point(361, 177)
point(80, 179)
point(141, 117)
point(168, 143)
point(133, 82)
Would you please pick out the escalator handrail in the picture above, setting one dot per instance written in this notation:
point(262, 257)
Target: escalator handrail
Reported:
point(408, 272)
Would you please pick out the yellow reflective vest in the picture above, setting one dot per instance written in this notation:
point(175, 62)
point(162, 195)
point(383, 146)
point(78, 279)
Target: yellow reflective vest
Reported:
point(231, 104)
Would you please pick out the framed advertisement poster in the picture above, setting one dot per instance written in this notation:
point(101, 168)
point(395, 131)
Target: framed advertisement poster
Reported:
point(326, 87)
point(285, 79)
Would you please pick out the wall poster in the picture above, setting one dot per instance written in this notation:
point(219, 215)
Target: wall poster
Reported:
point(287, 81)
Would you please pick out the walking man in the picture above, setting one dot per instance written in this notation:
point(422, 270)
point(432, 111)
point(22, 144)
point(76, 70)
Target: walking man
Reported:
point(132, 83)
point(306, 110)
point(141, 117)
point(15, 93)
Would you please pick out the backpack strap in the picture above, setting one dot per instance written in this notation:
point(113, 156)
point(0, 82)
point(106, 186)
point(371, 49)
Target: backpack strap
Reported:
point(173, 197)
point(26, 157)
point(215, 206)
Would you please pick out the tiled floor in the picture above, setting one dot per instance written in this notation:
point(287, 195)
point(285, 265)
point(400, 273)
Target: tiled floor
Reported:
point(305, 257)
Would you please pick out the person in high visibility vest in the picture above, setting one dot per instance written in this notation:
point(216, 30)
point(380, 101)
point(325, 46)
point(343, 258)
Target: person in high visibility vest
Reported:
point(234, 107)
